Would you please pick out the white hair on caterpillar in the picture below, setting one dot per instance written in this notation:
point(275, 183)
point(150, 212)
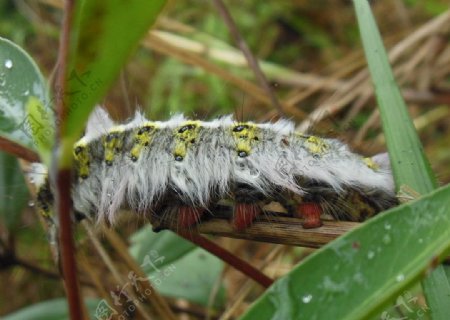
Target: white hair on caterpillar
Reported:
point(197, 163)
point(156, 166)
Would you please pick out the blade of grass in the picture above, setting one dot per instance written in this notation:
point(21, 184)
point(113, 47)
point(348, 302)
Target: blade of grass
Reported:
point(409, 163)
point(104, 34)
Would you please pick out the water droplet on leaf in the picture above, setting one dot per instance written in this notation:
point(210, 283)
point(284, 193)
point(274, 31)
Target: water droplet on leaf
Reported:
point(8, 64)
point(307, 298)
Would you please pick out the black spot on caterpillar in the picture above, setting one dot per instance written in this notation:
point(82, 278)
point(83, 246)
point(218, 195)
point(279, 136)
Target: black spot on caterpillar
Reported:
point(187, 167)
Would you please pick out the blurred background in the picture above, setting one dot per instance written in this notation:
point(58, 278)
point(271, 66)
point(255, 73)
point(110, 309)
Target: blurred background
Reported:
point(311, 54)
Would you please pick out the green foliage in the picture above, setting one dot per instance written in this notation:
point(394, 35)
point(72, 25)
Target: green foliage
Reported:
point(359, 273)
point(145, 241)
point(49, 310)
point(13, 191)
point(409, 163)
point(103, 35)
point(41, 122)
point(179, 268)
point(20, 79)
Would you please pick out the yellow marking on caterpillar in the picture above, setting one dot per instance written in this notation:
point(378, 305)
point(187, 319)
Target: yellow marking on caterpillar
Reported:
point(113, 143)
point(142, 138)
point(82, 158)
point(316, 145)
point(245, 134)
point(185, 135)
point(371, 164)
point(301, 135)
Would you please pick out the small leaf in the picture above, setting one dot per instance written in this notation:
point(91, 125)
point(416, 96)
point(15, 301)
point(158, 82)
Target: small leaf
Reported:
point(13, 191)
point(176, 266)
point(55, 309)
point(20, 79)
point(145, 242)
point(192, 277)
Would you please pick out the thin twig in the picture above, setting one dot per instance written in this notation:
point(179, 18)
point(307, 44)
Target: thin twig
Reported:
point(63, 177)
point(18, 150)
point(112, 268)
point(252, 62)
point(227, 257)
point(157, 301)
point(274, 229)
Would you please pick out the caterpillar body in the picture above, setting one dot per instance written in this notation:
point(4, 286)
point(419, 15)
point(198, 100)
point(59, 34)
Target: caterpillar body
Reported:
point(186, 167)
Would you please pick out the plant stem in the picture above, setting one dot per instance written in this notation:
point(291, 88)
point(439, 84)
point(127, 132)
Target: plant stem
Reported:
point(63, 175)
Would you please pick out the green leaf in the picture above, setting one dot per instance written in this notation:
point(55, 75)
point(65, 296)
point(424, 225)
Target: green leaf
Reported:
point(103, 36)
point(408, 161)
point(145, 242)
point(409, 164)
point(358, 274)
point(20, 79)
point(192, 277)
point(55, 309)
point(42, 128)
point(13, 191)
point(177, 267)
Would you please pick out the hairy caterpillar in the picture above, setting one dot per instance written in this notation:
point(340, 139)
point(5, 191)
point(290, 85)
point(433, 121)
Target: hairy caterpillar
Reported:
point(186, 167)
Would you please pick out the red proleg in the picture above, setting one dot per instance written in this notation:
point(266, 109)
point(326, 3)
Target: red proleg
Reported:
point(244, 214)
point(310, 212)
point(188, 216)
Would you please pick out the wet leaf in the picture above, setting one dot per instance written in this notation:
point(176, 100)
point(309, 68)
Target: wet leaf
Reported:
point(20, 79)
point(357, 275)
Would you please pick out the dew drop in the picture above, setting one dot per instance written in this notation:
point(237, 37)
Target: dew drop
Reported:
point(26, 92)
point(387, 226)
point(31, 203)
point(8, 64)
point(307, 298)
point(400, 277)
point(370, 255)
point(387, 239)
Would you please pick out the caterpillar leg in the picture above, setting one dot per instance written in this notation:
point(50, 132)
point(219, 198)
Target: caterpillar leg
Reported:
point(244, 214)
point(310, 212)
point(189, 216)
